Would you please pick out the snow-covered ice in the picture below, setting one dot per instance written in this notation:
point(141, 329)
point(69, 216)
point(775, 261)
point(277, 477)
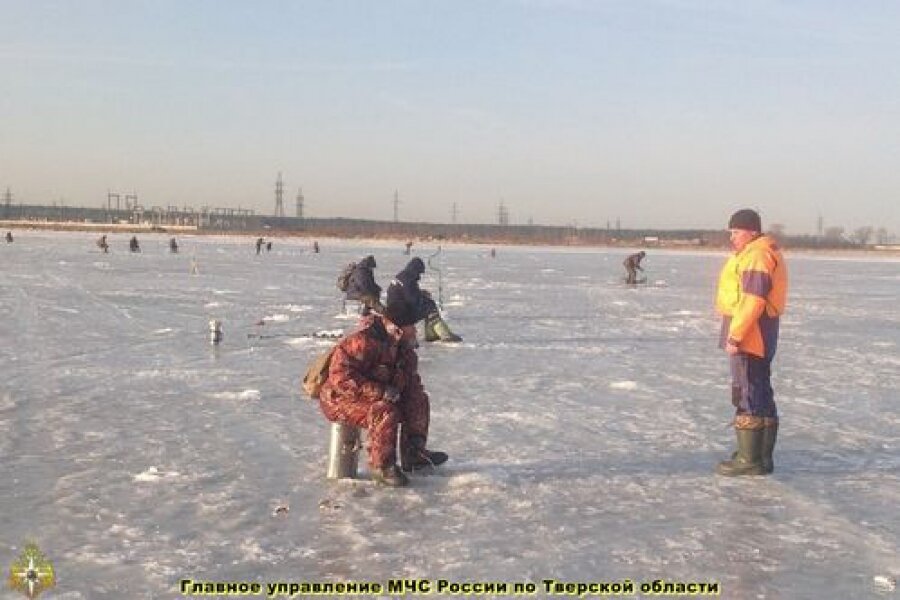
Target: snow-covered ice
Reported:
point(583, 420)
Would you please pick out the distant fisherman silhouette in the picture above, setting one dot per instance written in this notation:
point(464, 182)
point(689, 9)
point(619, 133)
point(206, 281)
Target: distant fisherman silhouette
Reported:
point(133, 244)
point(259, 245)
point(633, 265)
point(101, 243)
point(9, 237)
point(361, 286)
point(405, 288)
point(315, 247)
point(173, 246)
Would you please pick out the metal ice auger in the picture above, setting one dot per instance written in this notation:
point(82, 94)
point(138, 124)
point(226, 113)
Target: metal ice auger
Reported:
point(440, 298)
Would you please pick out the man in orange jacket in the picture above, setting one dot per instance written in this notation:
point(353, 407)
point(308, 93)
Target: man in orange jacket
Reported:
point(751, 297)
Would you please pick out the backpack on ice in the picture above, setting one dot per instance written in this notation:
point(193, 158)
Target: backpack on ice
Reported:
point(317, 373)
point(343, 280)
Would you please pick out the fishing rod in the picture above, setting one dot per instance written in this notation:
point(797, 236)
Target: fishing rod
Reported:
point(326, 335)
point(436, 254)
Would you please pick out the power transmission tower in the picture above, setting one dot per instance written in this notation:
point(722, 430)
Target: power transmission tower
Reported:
point(396, 206)
point(502, 214)
point(279, 197)
point(7, 203)
point(454, 211)
point(300, 203)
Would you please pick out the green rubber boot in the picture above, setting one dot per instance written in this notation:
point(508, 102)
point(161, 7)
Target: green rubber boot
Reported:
point(430, 334)
point(436, 329)
point(749, 455)
point(770, 434)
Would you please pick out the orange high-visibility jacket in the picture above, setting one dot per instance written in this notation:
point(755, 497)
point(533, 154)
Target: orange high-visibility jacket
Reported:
point(752, 294)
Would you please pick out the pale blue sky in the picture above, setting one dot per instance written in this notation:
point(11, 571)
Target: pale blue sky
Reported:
point(666, 113)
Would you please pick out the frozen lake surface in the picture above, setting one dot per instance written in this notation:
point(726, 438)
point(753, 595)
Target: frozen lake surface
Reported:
point(583, 420)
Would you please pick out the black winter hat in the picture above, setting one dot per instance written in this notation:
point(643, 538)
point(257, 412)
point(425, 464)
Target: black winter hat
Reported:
point(400, 313)
point(745, 219)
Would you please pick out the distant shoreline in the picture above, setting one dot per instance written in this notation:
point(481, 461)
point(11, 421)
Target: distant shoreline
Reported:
point(659, 244)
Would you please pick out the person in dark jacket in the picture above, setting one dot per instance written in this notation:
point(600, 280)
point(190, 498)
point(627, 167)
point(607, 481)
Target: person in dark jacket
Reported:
point(133, 244)
point(102, 244)
point(362, 287)
point(633, 265)
point(9, 237)
point(405, 288)
point(373, 382)
point(259, 244)
point(173, 246)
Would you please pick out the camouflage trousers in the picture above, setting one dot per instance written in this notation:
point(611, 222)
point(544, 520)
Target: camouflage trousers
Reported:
point(382, 420)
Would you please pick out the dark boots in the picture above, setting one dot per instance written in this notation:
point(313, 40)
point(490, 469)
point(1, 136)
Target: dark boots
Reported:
point(423, 459)
point(436, 329)
point(390, 476)
point(416, 456)
point(748, 458)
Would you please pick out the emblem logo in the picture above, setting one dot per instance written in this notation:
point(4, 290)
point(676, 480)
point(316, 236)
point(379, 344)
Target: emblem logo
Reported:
point(31, 573)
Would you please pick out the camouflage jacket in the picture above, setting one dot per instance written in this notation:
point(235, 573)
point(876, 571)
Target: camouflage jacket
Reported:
point(368, 361)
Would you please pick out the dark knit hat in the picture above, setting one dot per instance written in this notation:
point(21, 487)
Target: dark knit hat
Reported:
point(399, 313)
point(745, 219)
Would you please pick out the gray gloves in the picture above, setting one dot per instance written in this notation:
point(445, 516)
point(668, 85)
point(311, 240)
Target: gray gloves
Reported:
point(391, 394)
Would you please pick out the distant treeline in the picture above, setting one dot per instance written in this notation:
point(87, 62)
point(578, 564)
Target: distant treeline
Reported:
point(243, 221)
